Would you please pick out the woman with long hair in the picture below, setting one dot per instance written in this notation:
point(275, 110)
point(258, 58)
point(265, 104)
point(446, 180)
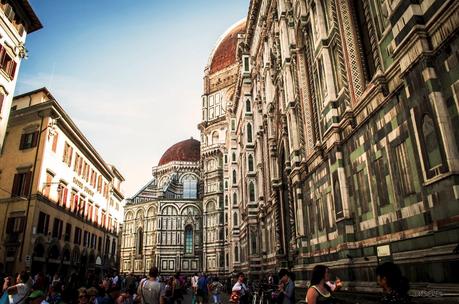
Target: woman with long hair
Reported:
point(394, 285)
point(319, 292)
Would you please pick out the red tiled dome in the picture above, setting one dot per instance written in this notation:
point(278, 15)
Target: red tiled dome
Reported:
point(188, 150)
point(224, 54)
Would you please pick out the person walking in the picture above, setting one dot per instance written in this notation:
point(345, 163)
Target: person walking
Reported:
point(216, 289)
point(194, 287)
point(319, 292)
point(203, 289)
point(394, 285)
point(149, 290)
point(179, 287)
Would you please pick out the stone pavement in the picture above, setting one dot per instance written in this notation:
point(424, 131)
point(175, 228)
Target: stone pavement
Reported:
point(187, 298)
point(353, 298)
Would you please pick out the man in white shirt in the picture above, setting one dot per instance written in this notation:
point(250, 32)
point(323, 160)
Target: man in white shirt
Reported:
point(242, 289)
point(20, 291)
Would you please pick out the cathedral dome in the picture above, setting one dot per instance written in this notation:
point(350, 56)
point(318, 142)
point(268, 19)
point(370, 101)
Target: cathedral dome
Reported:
point(224, 53)
point(187, 150)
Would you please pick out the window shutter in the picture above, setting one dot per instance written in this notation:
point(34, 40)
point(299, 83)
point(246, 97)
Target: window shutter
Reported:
point(55, 139)
point(12, 68)
point(64, 197)
point(10, 225)
point(21, 224)
point(46, 224)
point(34, 139)
point(21, 143)
point(61, 224)
point(16, 183)
point(27, 182)
point(2, 97)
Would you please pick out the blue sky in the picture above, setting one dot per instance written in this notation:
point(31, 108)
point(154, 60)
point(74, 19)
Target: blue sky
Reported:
point(129, 73)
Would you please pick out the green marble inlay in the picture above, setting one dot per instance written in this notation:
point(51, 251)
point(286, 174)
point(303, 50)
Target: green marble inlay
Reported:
point(411, 159)
point(415, 221)
point(387, 209)
point(334, 167)
point(369, 215)
point(433, 85)
point(410, 200)
point(356, 153)
point(387, 59)
point(394, 123)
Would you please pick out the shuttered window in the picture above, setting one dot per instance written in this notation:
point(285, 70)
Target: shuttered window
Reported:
point(21, 184)
point(28, 140)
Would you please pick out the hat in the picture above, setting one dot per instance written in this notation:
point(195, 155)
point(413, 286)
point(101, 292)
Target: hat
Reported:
point(36, 294)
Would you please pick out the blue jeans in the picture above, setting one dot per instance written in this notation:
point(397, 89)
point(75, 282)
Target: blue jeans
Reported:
point(216, 298)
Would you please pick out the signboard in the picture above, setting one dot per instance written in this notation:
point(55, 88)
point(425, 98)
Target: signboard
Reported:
point(383, 251)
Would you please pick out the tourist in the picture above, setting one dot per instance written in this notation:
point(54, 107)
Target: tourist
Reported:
point(56, 278)
point(286, 288)
point(149, 290)
point(54, 293)
point(194, 287)
point(7, 282)
point(36, 297)
point(241, 290)
point(394, 285)
point(20, 291)
point(203, 289)
point(319, 291)
point(216, 288)
point(178, 288)
point(92, 293)
point(83, 297)
point(168, 291)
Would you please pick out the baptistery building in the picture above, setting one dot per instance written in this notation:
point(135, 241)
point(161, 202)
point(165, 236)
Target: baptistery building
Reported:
point(163, 224)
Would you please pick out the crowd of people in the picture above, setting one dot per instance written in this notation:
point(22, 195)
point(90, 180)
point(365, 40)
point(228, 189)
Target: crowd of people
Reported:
point(156, 289)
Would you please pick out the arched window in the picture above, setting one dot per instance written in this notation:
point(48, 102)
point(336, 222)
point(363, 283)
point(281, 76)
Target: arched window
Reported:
point(234, 177)
point(235, 219)
point(250, 163)
point(236, 253)
point(189, 239)
point(190, 187)
point(249, 133)
point(248, 106)
point(139, 241)
point(251, 192)
point(221, 204)
point(364, 33)
point(234, 198)
point(432, 145)
point(233, 157)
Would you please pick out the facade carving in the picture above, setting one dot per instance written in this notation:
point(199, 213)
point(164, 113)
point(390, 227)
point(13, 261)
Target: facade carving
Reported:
point(336, 142)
